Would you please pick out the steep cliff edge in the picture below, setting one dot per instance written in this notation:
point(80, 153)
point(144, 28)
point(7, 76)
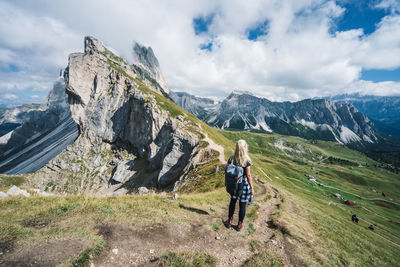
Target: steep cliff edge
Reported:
point(130, 135)
point(146, 62)
point(43, 134)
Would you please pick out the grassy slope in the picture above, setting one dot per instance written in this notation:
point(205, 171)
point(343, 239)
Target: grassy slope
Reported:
point(62, 216)
point(333, 238)
point(319, 224)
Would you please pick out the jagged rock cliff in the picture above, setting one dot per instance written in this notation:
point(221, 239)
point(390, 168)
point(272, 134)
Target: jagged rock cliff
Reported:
point(129, 134)
point(11, 118)
point(198, 106)
point(44, 133)
point(145, 61)
point(384, 111)
point(312, 119)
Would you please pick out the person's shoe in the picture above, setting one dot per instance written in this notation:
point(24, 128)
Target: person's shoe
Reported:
point(239, 226)
point(228, 223)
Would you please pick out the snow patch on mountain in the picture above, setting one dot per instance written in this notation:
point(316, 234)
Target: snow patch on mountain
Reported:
point(4, 139)
point(348, 136)
point(240, 92)
point(264, 126)
point(367, 139)
point(308, 124)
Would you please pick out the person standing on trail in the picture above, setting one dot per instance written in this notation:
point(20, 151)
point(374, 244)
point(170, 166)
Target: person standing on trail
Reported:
point(241, 159)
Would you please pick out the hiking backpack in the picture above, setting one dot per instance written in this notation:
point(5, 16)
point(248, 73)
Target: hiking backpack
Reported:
point(234, 179)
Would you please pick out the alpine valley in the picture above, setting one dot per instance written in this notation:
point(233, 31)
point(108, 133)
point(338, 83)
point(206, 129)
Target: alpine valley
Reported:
point(115, 169)
point(323, 119)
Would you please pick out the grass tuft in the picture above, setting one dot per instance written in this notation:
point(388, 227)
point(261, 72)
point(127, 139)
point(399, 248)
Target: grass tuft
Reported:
point(254, 245)
point(83, 258)
point(252, 213)
point(264, 259)
point(187, 259)
point(10, 231)
point(251, 229)
point(10, 180)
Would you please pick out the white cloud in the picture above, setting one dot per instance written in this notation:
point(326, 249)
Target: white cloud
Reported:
point(36, 39)
point(6, 56)
point(38, 45)
point(9, 97)
point(371, 88)
point(22, 81)
point(381, 49)
point(392, 5)
point(299, 57)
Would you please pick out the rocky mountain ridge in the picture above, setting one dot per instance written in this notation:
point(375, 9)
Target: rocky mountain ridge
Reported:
point(198, 106)
point(44, 133)
point(384, 111)
point(128, 134)
point(145, 61)
point(11, 118)
point(312, 119)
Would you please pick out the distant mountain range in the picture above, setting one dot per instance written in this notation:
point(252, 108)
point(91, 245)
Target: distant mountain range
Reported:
point(326, 119)
point(383, 111)
point(33, 135)
point(11, 118)
point(312, 119)
point(198, 106)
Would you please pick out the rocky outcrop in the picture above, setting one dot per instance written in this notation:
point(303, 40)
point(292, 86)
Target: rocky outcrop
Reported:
point(384, 111)
point(146, 62)
point(45, 132)
point(198, 106)
point(129, 134)
point(11, 118)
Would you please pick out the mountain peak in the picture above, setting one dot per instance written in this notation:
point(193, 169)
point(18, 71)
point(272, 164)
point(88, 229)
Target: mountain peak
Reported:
point(144, 58)
point(239, 92)
point(92, 45)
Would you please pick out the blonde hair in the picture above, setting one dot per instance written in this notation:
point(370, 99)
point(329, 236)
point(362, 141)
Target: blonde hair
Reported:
point(241, 157)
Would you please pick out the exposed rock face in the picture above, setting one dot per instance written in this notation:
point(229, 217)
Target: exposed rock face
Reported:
point(198, 106)
point(145, 59)
point(384, 111)
point(43, 135)
point(11, 118)
point(312, 119)
point(128, 138)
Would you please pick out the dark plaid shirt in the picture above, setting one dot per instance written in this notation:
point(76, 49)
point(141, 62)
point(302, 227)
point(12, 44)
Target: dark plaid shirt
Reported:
point(246, 193)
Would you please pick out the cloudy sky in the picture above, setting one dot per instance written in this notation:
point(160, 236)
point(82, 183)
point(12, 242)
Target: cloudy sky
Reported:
point(279, 49)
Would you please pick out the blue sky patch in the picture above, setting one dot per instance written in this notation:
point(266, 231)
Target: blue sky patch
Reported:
point(10, 68)
point(260, 30)
point(201, 24)
point(381, 75)
point(360, 14)
point(13, 68)
point(206, 46)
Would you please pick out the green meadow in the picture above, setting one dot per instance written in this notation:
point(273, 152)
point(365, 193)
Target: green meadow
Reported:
point(318, 224)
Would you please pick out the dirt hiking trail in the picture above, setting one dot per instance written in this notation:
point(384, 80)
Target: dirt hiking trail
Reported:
point(129, 246)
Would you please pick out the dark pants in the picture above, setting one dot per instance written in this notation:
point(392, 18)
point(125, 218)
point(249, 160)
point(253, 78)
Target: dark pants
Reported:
point(242, 209)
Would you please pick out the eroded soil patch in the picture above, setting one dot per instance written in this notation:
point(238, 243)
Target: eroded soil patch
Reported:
point(130, 245)
point(36, 223)
point(44, 254)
